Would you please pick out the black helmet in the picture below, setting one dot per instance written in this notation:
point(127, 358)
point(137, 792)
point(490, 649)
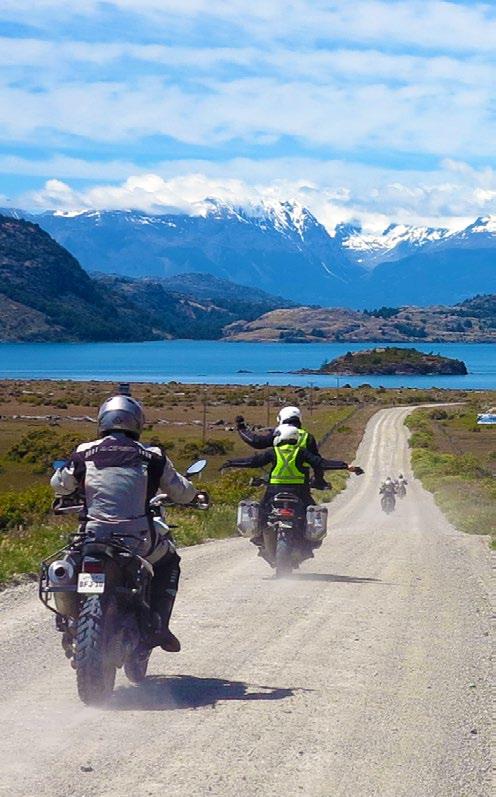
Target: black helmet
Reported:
point(123, 414)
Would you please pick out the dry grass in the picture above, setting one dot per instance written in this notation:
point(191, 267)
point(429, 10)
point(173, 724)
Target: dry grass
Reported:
point(175, 415)
point(456, 460)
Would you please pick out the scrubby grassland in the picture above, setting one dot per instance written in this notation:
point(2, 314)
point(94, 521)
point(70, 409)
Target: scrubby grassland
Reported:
point(456, 460)
point(472, 320)
point(42, 421)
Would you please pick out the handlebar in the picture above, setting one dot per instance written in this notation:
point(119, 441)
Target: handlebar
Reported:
point(200, 501)
point(71, 504)
point(162, 499)
point(67, 504)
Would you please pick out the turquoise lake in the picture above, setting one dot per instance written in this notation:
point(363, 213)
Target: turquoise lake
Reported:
point(217, 362)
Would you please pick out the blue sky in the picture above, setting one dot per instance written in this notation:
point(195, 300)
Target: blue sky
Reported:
point(370, 110)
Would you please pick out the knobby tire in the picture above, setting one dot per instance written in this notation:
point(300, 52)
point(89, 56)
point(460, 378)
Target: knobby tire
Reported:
point(95, 670)
point(283, 558)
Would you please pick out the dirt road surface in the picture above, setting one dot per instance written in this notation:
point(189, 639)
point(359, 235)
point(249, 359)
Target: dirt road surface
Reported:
point(366, 674)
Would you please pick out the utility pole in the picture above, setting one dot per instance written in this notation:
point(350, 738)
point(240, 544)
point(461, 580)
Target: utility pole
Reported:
point(311, 384)
point(267, 399)
point(204, 416)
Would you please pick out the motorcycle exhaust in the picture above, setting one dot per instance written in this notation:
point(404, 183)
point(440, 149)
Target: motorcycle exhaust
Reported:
point(62, 573)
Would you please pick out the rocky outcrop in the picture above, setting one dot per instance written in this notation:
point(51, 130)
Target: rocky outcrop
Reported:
point(389, 361)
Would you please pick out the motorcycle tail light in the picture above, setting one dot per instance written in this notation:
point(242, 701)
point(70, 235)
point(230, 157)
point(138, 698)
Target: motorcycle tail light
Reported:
point(93, 567)
point(285, 512)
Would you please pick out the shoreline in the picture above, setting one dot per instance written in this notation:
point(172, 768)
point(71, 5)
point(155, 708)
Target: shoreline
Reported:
point(486, 340)
point(209, 363)
point(258, 386)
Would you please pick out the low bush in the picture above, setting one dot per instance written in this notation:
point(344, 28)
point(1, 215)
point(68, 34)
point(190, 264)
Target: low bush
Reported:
point(24, 508)
point(231, 487)
point(463, 487)
point(41, 447)
point(217, 523)
point(22, 551)
point(196, 448)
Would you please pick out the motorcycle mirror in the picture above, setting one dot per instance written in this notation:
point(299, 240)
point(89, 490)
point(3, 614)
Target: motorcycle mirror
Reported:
point(58, 463)
point(196, 467)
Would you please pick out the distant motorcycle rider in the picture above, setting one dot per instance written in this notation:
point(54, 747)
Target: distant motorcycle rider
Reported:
point(290, 465)
point(387, 487)
point(401, 484)
point(290, 416)
point(116, 476)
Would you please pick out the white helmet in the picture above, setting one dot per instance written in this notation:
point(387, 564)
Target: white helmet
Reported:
point(388, 480)
point(286, 434)
point(287, 414)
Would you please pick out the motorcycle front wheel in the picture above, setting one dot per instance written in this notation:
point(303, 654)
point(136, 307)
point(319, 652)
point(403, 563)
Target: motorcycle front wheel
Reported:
point(387, 507)
point(95, 668)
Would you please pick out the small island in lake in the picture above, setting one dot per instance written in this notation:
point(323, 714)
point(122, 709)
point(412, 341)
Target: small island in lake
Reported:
point(390, 360)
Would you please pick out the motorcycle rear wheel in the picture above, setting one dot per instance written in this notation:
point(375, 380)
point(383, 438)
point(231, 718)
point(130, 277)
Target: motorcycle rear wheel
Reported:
point(135, 668)
point(95, 669)
point(284, 565)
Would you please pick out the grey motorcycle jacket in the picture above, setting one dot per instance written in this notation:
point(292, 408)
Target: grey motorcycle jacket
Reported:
point(117, 476)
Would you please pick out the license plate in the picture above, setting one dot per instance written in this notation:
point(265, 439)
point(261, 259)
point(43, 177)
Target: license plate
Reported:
point(91, 583)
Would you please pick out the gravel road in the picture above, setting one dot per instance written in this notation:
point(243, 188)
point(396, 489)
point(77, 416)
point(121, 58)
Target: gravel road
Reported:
point(366, 674)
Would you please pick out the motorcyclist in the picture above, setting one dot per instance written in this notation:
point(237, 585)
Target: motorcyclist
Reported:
point(400, 484)
point(290, 464)
point(116, 476)
point(291, 416)
point(387, 487)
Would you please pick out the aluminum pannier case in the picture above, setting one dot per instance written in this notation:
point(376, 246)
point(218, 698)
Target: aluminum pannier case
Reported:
point(316, 524)
point(248, 516)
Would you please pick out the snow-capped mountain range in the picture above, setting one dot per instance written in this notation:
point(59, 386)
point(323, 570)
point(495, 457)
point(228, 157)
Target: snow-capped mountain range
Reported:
point(397, 241)
point(283, 249)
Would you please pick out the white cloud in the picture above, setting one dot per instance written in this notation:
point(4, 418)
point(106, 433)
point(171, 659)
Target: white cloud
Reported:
point(427, 118)
point(63, 166)
point(373, 80)
point(444, 25)
point(334, 191)
point(320, 66)
point(361, 90)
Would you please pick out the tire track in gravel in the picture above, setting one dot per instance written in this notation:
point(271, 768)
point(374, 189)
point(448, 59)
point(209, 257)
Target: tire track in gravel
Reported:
point(365, 674)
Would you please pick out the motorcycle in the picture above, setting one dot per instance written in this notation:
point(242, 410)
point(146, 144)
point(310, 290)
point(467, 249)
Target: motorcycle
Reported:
point(291, 529)
point(401, 490)
point(388, 503)
point(100, 592)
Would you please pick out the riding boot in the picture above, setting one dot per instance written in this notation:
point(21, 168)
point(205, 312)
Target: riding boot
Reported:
point(164, 590)
point(165, 638)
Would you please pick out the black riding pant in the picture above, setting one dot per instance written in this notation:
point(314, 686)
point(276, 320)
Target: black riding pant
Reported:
point(165, 584)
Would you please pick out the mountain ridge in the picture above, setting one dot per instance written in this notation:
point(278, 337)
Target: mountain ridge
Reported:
point(45, 295)
point(283, 249)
